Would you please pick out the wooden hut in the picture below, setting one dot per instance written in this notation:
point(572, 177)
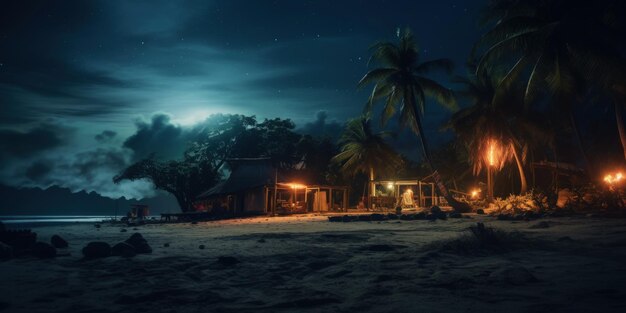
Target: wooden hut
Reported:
point(255, 186)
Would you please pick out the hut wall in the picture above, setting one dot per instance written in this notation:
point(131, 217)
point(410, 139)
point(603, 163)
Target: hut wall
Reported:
point(254, 200)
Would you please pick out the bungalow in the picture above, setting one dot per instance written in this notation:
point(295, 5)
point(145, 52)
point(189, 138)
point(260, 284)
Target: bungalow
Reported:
point(255, 186)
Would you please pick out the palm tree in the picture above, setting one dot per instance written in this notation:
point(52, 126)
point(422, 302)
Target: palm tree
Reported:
point(363, 151)
point(558, 48)
point(400, 81)
point(495, 123)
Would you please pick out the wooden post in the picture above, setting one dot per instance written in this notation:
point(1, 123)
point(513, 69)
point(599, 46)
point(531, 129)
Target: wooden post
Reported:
point(330, 198)
point(419, 187)
point(275, 192)
point(433, 195)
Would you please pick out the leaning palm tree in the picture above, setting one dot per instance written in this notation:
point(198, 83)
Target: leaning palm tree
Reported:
point(364, 151)
point(560, 49)
point(402, 85)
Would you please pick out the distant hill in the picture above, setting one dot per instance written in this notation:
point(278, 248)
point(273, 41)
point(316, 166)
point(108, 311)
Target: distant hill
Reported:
point(61, 201)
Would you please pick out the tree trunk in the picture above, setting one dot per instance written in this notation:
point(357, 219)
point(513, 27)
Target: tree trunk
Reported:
point(580, 143)
point(520, 168)
point(489, 184)
point(371, 182)
point(620, 125)
point(182, 202)
point(456, 205)
point(370, 187)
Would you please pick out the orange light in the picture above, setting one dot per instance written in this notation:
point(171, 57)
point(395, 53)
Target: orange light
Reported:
point(613, 179)
point(474, 193)
point(491, 154)
point(297, 186)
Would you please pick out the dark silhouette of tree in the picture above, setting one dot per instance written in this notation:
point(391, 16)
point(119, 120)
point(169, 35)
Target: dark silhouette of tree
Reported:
point(184, 179)
point(226, 136)
point(495, 113)
point(559, 49)
point(364, 151)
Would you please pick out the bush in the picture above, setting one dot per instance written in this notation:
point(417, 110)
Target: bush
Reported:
point(518, 204)
point(480, 240)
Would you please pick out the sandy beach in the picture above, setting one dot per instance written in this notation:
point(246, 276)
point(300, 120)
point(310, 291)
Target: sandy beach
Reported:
point(305, 263)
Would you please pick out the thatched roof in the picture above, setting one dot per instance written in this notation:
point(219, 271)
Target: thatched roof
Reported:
point(245, 174)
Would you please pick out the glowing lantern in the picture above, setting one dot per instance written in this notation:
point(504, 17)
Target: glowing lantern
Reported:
point(474, 193)
point(390, 186)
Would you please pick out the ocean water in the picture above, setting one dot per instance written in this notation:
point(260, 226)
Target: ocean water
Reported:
point(22, 221)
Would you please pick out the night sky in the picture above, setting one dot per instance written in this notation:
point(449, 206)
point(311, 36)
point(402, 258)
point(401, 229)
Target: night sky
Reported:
point(79, 78)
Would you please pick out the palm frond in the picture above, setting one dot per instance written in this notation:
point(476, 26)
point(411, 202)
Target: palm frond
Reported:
point(440, 93)
point(434, 65)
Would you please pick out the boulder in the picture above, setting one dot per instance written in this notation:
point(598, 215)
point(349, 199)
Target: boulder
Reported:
point(58, 242)
point(455, 215)
point(505, 217)
point(19, 240)
point(44, 250)
point(141, 245)
point(378, 217)
point(97, 249)
point(564, 197)
point(435, 210)
point(6, 251)
point(123, 249)
point(335, 218)
point(364, 218)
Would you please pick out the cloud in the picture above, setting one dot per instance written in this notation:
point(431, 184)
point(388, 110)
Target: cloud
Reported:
point(105, 136)
point(90, 170)
point(49, 154)
point(320, 127)
point(44, 137)
point(159, 136)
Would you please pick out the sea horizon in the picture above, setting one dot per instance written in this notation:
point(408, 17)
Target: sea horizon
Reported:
point(22, 221)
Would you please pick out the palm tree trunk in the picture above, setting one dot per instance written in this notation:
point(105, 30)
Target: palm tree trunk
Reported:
point(579, 140)
point(371, 188)
point(620, 125)
point(182, 202)
point(520, 168)
point(456, 205)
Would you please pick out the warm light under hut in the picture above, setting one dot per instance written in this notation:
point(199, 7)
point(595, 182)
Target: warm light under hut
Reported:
point(406, 193)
